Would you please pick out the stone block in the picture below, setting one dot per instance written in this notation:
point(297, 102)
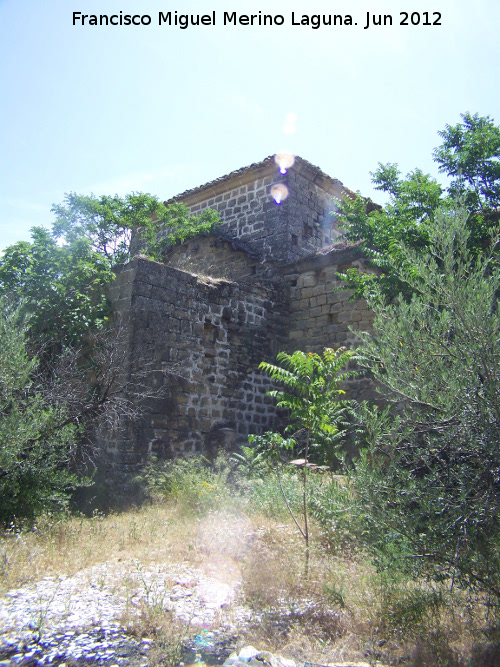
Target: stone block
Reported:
point(309, 279)
point(307, 292)
point(321, 300)
point(322, 321)
point(319, 290)
point(330, 273)
point(335, 297)
point(296, 335)
point(347, 316)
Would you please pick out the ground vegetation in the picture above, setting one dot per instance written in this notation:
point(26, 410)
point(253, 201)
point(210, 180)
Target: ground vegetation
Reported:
point(344, 611)
point(309, 391)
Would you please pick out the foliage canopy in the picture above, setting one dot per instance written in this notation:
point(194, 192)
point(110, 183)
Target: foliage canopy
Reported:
point(108, 224)
point(312, 394)
point(61, 275)
point(59, 368)
point(60, 287)
point(470, 157)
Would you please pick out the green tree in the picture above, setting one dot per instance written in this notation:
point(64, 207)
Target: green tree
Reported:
point(67, 369)
point(50, 404)
point(431, 474)
point(61, 287)
point(38, 443)
point(470, 157)
point(312, 389)
point(62, 275)
point(108, 223)
point(470, 154)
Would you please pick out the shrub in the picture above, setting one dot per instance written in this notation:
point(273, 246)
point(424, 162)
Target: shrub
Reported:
point(195, 484)
point(428, 486)
point(38, 441)
point(311, 395)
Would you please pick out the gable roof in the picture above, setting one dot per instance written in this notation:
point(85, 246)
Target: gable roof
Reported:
point(266, 167)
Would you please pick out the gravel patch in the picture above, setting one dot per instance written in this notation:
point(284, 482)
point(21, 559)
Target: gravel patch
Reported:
point(77, 620)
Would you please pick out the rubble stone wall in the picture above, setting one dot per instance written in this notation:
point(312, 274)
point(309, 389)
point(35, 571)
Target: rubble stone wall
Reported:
point(198, 343)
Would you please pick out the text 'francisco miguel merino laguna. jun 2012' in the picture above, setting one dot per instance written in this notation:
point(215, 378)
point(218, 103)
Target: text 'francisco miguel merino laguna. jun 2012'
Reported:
point(314, 21)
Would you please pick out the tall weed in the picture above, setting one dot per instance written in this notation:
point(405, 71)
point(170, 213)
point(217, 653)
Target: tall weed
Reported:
point(194, 484)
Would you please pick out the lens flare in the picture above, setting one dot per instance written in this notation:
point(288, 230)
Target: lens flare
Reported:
point(289, 126)
point(279, 192)
point(284, 160)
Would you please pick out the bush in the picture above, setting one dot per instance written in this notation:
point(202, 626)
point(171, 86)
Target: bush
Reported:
point(195, 484)
point(428, 485)
point(38, 442)
point(334, 507)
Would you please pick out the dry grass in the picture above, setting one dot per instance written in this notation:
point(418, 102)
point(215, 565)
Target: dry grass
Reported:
point(65, 546)
point(343, 611)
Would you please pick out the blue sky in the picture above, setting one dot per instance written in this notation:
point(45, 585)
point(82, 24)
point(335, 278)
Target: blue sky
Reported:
point(158, 109)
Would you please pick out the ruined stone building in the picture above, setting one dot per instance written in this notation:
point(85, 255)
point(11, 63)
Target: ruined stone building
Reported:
point(201, 322)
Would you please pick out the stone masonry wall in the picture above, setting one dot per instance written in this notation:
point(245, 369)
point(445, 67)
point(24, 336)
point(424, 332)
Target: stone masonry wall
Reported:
point(278, 233)
point(194, 343)
point(322, 316)
point(200, 342)
point(311, 212)
point(244, 212)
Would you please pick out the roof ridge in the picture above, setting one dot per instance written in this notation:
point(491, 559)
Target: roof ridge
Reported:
point(254, 166)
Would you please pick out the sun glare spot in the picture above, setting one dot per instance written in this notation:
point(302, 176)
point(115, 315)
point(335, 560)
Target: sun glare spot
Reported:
point(284, 160)
point(279, 192)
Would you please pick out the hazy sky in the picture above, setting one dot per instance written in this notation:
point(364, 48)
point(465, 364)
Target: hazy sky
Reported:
point(159, 109)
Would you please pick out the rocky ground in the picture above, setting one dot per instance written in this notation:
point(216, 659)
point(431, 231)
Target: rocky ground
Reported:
point(67, 619)
point(83, 619)
point(97, 616)
point(106, 614)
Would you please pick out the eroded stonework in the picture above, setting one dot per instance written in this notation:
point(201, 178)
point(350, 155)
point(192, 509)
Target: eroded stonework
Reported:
point(198, 325)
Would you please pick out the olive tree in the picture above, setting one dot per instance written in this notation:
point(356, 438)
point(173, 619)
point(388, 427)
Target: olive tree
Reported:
point(431, 473)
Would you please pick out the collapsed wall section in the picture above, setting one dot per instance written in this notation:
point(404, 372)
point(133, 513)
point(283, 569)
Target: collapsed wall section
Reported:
point(214, 255)
point(196, 345)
